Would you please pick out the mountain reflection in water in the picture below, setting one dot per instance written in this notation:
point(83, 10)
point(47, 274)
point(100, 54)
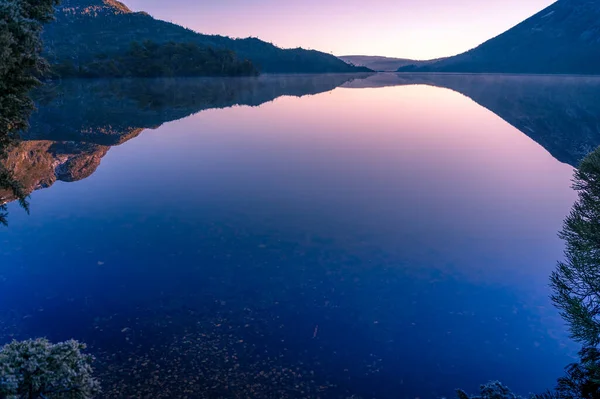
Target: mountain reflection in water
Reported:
point(561, 113)
point(79, 120)
point(370, 240)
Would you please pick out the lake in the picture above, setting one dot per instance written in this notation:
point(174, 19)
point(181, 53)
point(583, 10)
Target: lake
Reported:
point(327, 236)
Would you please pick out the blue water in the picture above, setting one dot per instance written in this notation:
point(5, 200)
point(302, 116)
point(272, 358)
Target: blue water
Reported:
point(389, 242)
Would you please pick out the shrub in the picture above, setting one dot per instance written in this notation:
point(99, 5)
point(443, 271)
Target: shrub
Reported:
point(36, 369)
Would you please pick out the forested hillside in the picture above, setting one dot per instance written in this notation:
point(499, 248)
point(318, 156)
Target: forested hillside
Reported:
point(150, 60)
point(90, 31)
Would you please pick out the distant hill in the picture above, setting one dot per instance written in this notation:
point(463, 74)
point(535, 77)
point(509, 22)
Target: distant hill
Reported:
point(87, 31)
point(381, 64)
point(562, 39)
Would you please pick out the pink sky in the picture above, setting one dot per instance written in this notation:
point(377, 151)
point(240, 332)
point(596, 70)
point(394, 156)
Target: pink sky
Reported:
point(418, 29)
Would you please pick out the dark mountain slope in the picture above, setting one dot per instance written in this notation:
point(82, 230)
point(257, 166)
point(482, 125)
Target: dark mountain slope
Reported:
point(88, 30)
point(562, 39)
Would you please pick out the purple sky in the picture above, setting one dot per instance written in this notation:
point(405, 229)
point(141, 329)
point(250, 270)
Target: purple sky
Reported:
point(418, 29)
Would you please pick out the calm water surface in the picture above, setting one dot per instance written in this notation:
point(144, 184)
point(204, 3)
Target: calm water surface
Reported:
point(381, 237)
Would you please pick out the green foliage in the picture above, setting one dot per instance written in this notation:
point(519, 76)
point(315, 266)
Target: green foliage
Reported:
point(576, 281)
point(576, 290)
point(74, 39)
point(38, 369)
point(150, 59)
point(21, 23)
point(582, 380)
point(576, 284)
point(9, 183)
point(491, 390)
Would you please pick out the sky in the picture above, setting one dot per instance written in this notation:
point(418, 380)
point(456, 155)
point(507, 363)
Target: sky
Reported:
point(416, 29)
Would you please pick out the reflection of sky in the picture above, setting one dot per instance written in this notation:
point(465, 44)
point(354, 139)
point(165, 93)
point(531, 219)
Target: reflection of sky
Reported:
point(442, 215)
point(401, 28)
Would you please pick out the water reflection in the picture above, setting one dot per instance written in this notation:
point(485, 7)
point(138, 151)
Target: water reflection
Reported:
point(384, 242)
point(561, 113)
point(79, 120)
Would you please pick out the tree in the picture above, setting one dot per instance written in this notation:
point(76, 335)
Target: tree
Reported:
point(21, 64)
point(7, 181)
point(37, 369)
point(583, 378)
point(491, 390)
point(576, 287)
point(576, 283)
point(151, 59)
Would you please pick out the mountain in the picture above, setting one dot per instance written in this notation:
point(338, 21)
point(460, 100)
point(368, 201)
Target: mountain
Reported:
point(562, 39)
point(88, 31)
point(381, 64)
